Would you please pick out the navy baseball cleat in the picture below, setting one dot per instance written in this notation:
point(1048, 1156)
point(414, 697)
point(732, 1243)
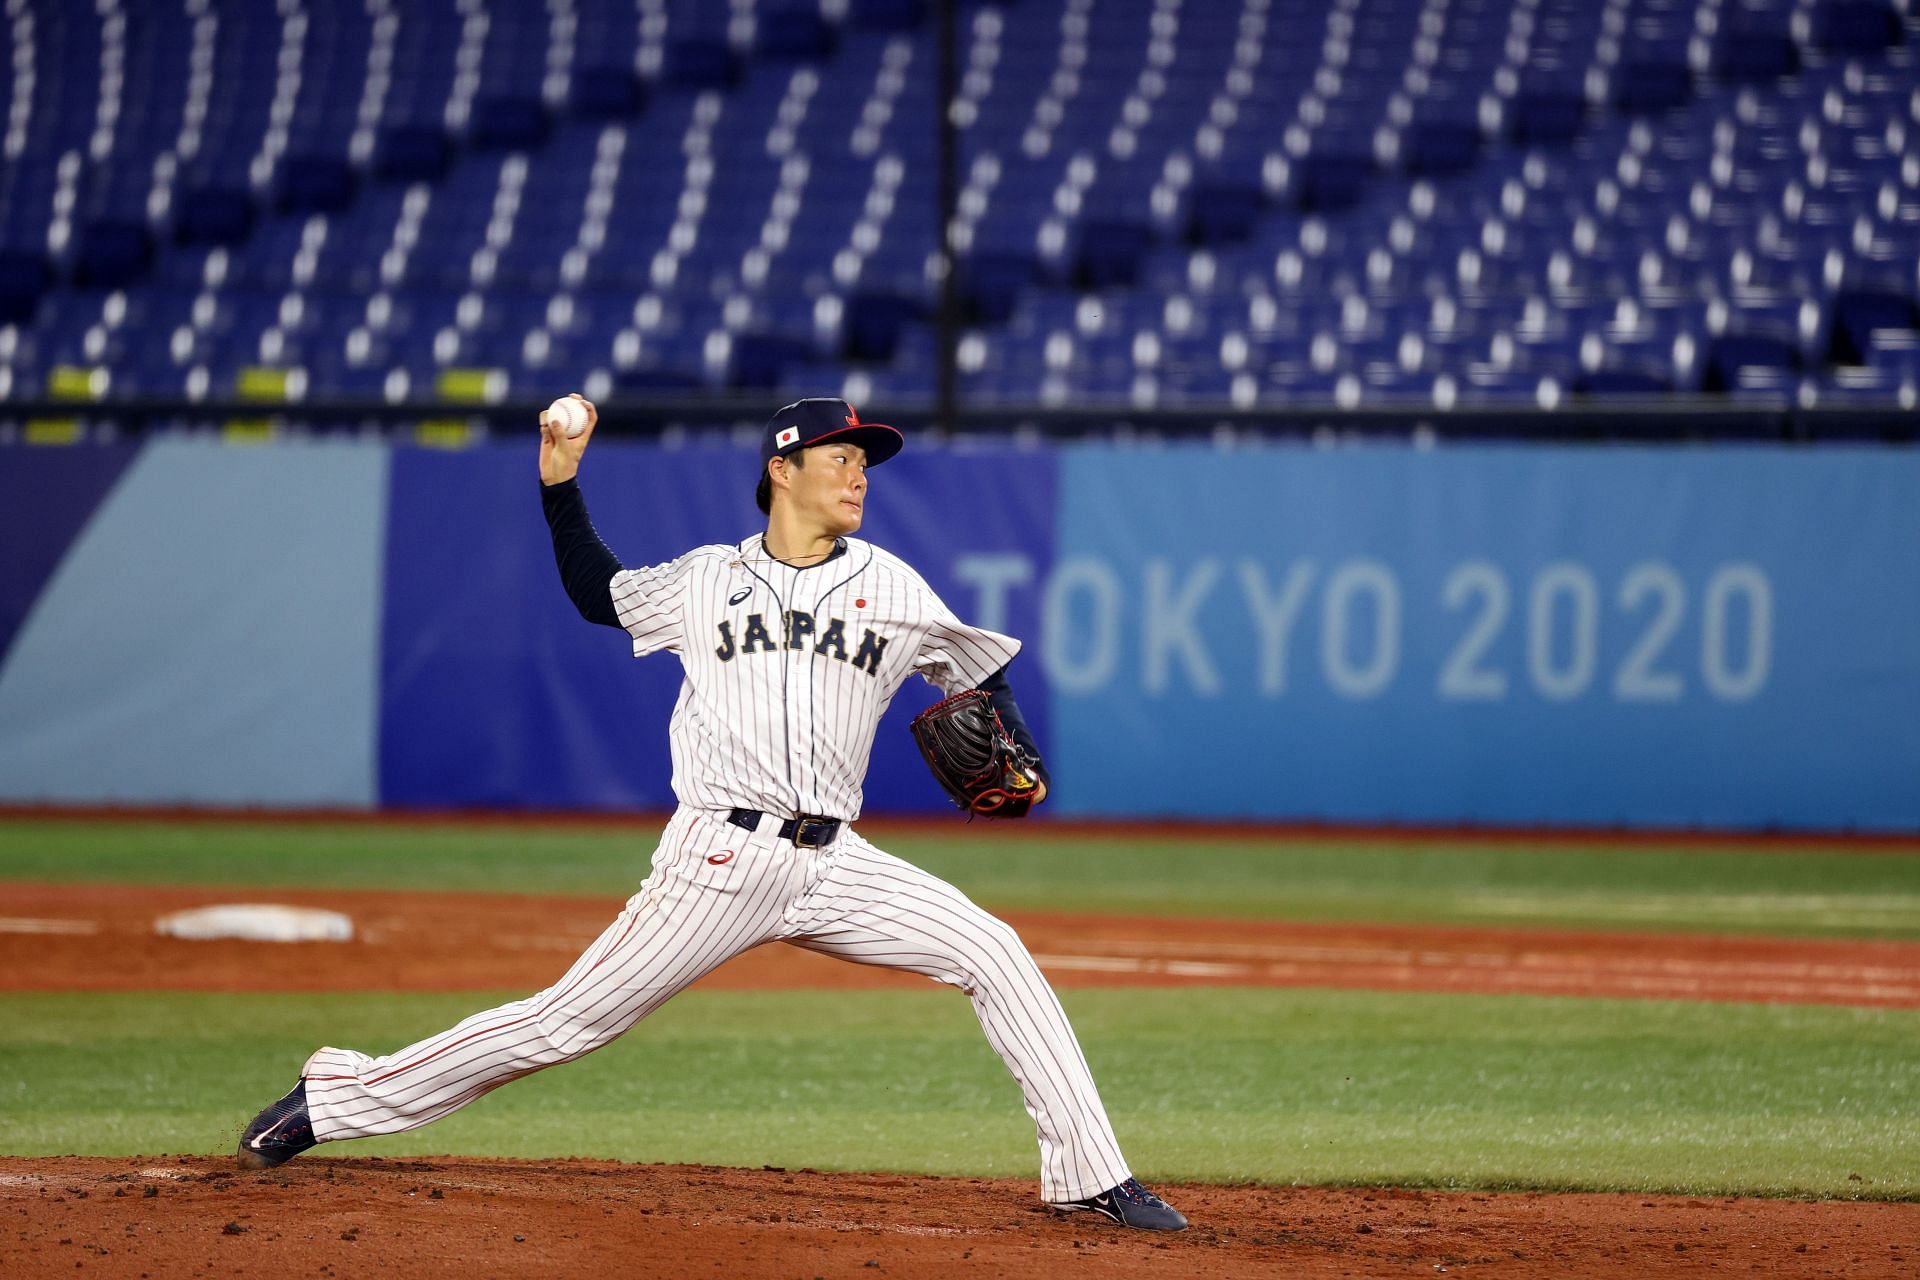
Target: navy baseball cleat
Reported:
point(279, 1133)
point(1131, 1205)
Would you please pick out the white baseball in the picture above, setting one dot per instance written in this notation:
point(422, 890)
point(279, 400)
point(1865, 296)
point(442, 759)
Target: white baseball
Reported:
point(570, 414)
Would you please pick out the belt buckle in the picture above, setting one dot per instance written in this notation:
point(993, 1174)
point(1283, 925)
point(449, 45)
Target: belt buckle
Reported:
point(811, 833)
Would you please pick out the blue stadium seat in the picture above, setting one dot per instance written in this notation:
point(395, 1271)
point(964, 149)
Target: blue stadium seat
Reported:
point(406, 152)
point(1261, 202)
point(1855, 26)
point(507, 121)
point(1859, 315)
point(24, 276)
point(109, 253)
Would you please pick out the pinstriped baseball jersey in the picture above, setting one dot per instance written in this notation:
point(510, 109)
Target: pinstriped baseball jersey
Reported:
point(788, 670)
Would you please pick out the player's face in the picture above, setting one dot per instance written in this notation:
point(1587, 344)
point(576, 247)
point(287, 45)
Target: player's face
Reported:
point(830, 490)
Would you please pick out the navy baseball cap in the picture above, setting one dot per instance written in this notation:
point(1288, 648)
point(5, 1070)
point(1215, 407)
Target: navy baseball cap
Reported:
point(805, 423)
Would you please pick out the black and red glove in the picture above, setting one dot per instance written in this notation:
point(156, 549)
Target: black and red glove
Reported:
point(973, 757)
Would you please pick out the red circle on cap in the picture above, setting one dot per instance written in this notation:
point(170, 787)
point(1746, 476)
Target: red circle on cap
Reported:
point(859, 604)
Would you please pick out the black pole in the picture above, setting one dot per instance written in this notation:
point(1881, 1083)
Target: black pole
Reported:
point(947, 322)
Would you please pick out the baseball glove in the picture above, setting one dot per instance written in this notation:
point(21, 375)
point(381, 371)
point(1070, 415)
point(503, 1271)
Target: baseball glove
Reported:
point(974, 759)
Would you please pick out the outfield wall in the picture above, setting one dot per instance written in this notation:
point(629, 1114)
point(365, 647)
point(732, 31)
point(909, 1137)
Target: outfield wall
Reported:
point(1659, 637)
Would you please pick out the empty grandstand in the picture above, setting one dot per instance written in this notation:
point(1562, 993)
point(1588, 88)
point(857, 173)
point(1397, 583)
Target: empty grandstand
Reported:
point(1491, 212)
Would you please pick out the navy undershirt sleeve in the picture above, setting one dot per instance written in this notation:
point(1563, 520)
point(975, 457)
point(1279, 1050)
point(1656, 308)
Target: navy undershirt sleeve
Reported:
point(586, 566)
point(1000, 694)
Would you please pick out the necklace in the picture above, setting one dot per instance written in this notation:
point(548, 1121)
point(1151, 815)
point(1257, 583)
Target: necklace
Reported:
point(808, 562)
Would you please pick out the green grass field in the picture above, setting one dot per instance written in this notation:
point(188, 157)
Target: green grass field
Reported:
point(1204, 1084)
point(1774, 888)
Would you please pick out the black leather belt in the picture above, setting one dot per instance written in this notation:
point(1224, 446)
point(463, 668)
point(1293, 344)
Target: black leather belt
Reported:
point(806, 830)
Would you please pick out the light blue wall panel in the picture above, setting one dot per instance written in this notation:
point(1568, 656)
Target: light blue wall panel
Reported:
point(211, 638)
point(1716, 637)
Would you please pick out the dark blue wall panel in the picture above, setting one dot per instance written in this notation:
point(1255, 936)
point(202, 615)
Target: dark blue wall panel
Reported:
point(496, 693)
point(46, 498)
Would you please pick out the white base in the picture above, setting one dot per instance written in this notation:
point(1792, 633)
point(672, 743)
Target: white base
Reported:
point(257, 922)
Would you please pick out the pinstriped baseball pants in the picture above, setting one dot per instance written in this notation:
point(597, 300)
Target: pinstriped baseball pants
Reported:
point(693, 914)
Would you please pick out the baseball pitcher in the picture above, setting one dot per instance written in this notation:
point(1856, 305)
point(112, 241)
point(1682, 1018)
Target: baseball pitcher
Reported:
point(793, 641)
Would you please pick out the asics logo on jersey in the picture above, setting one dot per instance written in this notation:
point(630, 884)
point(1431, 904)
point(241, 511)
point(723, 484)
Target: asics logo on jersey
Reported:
point(740, 595)
point(721, 858)
point(800, 630)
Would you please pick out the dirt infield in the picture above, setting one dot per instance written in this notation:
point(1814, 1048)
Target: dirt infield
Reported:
point(68, 937)
point(171, 1216)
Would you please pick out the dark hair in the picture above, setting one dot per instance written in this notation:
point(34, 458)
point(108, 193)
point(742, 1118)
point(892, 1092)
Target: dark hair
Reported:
point(763, 492)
